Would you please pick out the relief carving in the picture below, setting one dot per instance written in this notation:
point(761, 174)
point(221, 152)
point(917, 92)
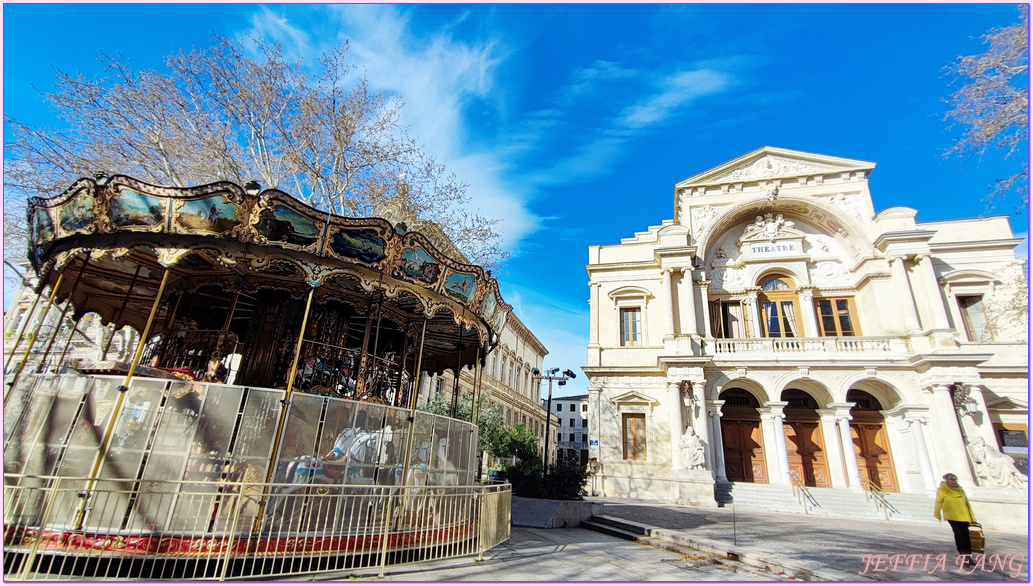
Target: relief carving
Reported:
point(829, 273)
point(701, 216)
point(769, 167)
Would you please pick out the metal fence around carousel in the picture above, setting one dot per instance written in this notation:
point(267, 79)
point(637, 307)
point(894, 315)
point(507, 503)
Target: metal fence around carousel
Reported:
point(181, 494)
point(213, 531)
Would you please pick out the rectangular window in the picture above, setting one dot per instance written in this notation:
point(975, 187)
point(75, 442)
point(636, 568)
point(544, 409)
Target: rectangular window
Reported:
point(727, 319)
point(571, 437)
point(835, 317)
point(571, 407)
point(572, 423)
point(634, 436)
point(631, 326)
point(584, 424)
point(502, 376)
point(559, 407)
point(976, 326)
point(584, 408)
point(559, 436)
point(495, 366)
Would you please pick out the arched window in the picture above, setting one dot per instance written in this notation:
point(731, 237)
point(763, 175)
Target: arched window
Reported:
point(778, 307)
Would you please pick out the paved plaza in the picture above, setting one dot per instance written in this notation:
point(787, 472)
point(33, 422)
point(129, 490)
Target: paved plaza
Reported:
point(836, 548)
point(788, 546)
point(574, 555)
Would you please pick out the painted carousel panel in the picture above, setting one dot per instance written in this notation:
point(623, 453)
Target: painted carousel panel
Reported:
point(130, 208)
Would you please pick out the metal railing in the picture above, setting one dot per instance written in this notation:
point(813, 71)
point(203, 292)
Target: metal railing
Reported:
point(803, 496)
point(874, 492)
point(162, 530)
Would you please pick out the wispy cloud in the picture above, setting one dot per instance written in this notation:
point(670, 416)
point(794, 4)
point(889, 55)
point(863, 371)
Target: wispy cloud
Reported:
point(437, 76)
point(628, 105)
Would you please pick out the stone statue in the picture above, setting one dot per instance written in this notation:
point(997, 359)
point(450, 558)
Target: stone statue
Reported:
point(994, 468)
point(691, 450)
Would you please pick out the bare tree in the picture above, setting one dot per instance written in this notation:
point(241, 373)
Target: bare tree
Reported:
point(993, 107)
point(227, 113)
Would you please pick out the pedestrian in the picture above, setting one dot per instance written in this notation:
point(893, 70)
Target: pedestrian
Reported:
point(953, 505)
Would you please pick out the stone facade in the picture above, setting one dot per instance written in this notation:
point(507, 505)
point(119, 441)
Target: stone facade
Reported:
point(801, 337)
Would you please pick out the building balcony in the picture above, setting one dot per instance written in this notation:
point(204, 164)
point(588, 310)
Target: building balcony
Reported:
point(734, 347)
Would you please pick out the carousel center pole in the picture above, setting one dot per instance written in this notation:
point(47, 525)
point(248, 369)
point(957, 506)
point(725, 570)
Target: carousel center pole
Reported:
point(286, 402)
point(122, 392)
point(32, 338)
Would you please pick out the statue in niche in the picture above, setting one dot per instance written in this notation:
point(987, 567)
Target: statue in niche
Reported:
point(721, 253)
point(691, 448)
point(994, 468)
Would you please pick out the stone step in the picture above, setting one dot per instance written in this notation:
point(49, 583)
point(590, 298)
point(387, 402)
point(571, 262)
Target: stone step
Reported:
point(622, 524)
point(609, 530)
point(826, 501)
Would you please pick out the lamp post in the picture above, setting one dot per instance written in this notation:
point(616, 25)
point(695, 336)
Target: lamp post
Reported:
point(550, 375)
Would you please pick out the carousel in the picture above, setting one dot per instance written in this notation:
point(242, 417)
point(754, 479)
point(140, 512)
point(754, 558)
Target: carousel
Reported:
point(266, 424)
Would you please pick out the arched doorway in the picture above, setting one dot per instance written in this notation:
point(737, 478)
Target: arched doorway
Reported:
point(804, 444)
point(778, 307)
point(742, 437)
point(868, 429)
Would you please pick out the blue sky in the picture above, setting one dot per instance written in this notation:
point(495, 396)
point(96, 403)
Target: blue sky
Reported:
point(574, 122)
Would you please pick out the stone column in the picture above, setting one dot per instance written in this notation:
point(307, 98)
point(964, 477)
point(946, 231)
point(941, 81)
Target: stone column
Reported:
point(593, 422)
point(716, 440)
point(932, 285)
point(754, 316)
point(810, 318)
point(833, 449)
point(853, 473)
point(916, 425)
point(665, 294)
point(905, 300)
point(949, 454)
point(772, 417)
point(674, 403)
point(699, 421)
point(689, 302)
point(593, 324)
point(703, 287)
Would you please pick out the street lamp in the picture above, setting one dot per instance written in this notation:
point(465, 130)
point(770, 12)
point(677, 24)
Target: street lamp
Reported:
point(550, 375)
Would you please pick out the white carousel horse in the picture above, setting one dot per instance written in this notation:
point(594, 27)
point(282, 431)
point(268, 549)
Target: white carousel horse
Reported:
point(359, 448)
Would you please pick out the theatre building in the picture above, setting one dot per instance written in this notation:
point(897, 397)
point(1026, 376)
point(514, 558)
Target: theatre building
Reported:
point(780, 340)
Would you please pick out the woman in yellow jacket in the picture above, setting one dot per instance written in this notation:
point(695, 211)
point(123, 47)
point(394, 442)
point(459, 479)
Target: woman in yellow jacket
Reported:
point(952, 505)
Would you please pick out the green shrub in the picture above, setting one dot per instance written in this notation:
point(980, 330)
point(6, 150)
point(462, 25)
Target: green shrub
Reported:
point(526, 478)
point(566, 480)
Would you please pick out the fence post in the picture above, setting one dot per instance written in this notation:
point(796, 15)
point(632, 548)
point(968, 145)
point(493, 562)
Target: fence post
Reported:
point(386, 521)
point(481, 525)
point(27, 562)
point(231, 537)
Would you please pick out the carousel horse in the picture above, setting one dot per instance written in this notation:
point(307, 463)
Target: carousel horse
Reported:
point(358, 448)
point(427, 483)
point(355, 448)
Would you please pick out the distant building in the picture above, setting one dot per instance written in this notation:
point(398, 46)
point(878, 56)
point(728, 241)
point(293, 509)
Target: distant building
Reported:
point(506, 378)
point(779, 331)
point(572, 432)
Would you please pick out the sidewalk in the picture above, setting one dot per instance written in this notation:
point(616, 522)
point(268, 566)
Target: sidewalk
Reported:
point(569, 555)
point(844, 548)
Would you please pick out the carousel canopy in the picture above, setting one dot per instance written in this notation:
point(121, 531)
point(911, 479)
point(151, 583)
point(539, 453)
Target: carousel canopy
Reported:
point(114, 239)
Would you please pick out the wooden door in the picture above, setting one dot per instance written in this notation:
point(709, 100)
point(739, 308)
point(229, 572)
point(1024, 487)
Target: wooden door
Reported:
point(873, 455)
point(806, 452)
point(744, 451)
